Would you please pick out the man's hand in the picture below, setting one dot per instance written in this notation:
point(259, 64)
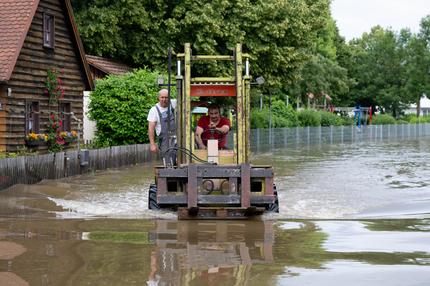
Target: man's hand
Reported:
point(154, 148)
point(202, 146)
point(198, 138)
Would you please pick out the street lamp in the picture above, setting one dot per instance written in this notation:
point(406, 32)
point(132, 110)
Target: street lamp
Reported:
point(260, 80)
point(160, 80)
point(270, 117)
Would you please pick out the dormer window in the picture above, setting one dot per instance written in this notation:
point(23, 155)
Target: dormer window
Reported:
point(48, 30)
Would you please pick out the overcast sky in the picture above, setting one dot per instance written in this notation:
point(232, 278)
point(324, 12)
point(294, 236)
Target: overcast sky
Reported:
point(354, 17)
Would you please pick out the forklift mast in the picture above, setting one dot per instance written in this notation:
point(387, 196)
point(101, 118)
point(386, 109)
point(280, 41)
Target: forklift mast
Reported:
point(237, 86)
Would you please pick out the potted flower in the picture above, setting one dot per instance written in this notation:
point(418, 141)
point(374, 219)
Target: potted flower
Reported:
point(35, 139)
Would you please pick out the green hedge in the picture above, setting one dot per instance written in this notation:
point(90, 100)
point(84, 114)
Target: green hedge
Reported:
point(259, 118)
point(309, 117)
point(282, 116)
point(421, 119)
point(330, 119)
point(288, 117)
point(383, 119)
point(285, 116)
point(120, 106)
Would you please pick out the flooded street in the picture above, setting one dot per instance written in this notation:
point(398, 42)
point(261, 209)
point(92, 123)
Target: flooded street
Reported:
point(350, 214)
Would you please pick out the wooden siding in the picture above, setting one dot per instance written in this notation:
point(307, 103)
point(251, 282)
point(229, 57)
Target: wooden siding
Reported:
point(2, 119)
point(29, 75)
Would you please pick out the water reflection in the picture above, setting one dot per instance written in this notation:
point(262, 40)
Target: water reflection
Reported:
point(356, 237)
point(8, 252)
point(169, 252)
point(209, 252)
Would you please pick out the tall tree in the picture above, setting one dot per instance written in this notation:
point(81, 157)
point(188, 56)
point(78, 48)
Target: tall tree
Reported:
point(320, 76)
point(322, 73)
point(280, 35)
point(378, 70)
point(417, 62)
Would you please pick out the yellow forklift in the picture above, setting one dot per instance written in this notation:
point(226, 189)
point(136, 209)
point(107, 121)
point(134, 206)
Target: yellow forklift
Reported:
point(211, 183)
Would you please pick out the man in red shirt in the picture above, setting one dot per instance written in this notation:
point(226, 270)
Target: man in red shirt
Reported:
point(212, 126)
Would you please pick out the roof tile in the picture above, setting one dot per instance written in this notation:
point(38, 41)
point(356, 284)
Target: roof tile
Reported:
point(15, 19)
point(108, 66)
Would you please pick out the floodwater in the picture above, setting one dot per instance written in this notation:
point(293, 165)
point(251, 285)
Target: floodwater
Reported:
point(354, 214)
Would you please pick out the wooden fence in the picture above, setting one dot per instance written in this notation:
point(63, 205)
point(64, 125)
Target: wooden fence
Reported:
point(32, 169)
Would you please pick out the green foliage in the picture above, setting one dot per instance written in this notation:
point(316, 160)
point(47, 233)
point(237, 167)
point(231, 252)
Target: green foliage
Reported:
point(377, 69)
point(285, 116)
point(382, 119)
point(282, 116)
point(326, 40)
point(390, 69)
point(120, 237)
point(4, 155)
point(288, 117)
point(401, 121)
point(330, 119)
point(295, 45)
point(407, 117)
point(120, 106)
point(55, 92)
point(322, 72)
point(346, 120)
point(53, 85)
point(322, 75)
point(309, 117)
point(259, 118)
point(22, 152)
point(420, 119)
point(280, 35)
point(417, 63)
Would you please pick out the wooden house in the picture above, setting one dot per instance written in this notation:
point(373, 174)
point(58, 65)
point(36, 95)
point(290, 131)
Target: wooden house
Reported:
point(37, 36)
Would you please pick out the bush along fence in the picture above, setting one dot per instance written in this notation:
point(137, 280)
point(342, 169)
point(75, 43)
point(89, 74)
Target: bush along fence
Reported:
point(32, 169)
point(298, 137)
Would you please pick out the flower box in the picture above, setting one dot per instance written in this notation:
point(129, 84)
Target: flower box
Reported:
point(34, 139)
point(34, 143)
point(68, 137)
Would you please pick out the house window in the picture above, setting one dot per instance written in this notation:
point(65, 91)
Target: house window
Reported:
point(48, 30)
point(31, 117)
point(65, 116)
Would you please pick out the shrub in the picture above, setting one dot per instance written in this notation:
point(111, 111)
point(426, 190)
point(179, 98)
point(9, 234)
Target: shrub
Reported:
point(120, 106)
point(383, 119)
point(408, 117)
point(259, 118)
point(402, 121)
point(421, 119)
point(309, 117)
point(329, 119)
point(284, 116)
point(346, 120)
